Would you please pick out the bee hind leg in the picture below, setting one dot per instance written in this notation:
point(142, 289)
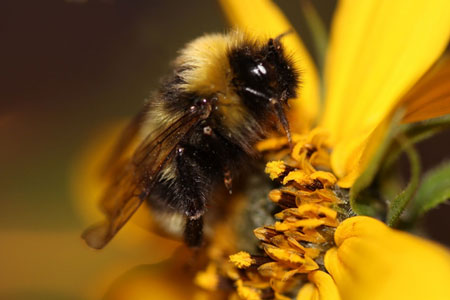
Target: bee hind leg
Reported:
point(192, 190)
point(193, 232)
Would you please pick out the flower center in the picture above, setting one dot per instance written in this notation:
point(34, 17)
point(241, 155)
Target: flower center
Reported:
point(304, 228)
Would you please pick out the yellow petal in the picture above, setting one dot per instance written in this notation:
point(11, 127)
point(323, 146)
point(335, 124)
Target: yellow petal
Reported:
point(350, 159)
point(378, 50)
point(273, 269)
point(298, 176)
point(306, 223)
point(430, 97)
point(246, 292)
point(153, 282)
point(284, 255)
point(308, 292)
point(326, 178)
point(373, 261)
point(264, 19)
point(208, 279)
point(321, 287)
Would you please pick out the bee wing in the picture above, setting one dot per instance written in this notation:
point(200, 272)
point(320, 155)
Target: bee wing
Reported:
point(122, 149)
point(134, 180)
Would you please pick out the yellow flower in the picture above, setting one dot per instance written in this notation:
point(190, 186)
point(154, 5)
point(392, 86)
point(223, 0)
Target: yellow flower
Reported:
point(372, 261)
point(376, 64)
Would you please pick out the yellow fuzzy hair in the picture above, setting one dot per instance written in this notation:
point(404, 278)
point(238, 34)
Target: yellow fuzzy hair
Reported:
point(208, 71)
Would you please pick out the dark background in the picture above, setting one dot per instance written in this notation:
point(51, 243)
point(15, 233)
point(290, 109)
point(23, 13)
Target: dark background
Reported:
point(67, 68)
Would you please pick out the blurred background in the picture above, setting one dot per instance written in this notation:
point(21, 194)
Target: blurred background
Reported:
point(68, 69)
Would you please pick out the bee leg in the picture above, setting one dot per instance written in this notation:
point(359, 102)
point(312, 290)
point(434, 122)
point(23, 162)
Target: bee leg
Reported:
point(193, 232)
point(228, 180)
point(192, 189)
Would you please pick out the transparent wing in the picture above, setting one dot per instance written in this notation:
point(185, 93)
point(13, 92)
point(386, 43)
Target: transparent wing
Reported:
point(123, 148)
point(133, 180)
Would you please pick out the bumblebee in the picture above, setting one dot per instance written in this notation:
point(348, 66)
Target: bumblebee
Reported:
point(226, 92)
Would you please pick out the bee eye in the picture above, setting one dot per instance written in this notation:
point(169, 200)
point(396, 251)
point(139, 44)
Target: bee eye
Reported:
point(258, 71)
point(253, 76)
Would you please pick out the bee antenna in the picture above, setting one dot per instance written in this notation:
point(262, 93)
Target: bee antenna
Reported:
point(274, 44)
point(280, 36)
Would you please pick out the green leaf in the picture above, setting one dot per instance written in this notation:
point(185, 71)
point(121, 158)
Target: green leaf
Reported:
point(398, 204)
point(434, 190)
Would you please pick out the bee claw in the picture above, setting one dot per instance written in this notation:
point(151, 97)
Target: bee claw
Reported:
point(228, 181)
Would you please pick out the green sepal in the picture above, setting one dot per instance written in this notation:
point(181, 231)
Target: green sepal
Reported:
point(419, 131)
point(414, 133)
point(386, 156)
point(434, 190)
point(398, 204)
point(409, 135)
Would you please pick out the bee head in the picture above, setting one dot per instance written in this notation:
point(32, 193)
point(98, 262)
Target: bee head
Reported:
point(265, 78)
